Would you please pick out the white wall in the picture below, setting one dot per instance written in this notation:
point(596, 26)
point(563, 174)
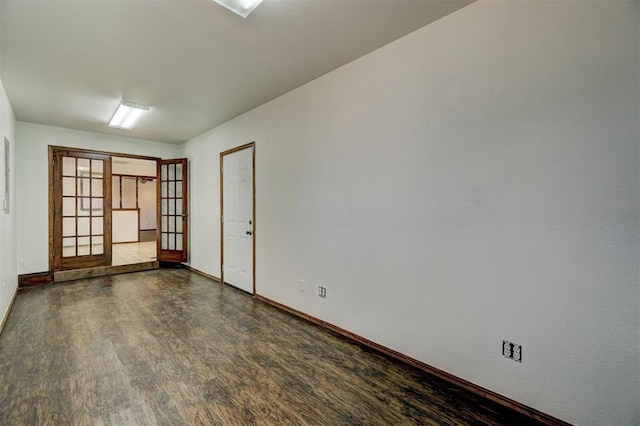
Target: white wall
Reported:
point(132, 166)
point(125, 226)
point(32, 180)
point(8, 270)
point(147, 202)
point(474, 181)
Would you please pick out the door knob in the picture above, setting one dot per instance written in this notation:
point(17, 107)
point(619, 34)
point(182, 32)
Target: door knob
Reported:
point(249, 233)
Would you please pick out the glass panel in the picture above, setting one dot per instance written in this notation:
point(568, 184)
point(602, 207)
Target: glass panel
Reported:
point(172, 224)
point(84, 248)
point(83, 166)
point(163, 244)
point(97, 225)
point(165, 209)
point(179, 242)
point(97, 245)
point(172, 206)
point(97, 167)
point(69, 186)
point(179, 189)
point(179, 224)
point(68, 166)
point(164, 227)
point(115, 190)
point(178, 171)
point(172, 241)
point(68, 247)
point(172, 189)
point(163, 172)
point(97, 206)
point(172, 172)
point(68, 206)
point(68, 227)
point(83, 206)
point(83, 226)
point(164, 189)
point(83, 187)
point(96, 188)
point(129, 193)
point(179, 207)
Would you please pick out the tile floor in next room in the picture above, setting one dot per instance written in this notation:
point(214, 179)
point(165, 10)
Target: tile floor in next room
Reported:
point(129, 253)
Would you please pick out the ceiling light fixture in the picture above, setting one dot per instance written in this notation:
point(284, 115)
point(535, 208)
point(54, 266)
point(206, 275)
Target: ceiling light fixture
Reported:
point(241, 7)
point(127, 115)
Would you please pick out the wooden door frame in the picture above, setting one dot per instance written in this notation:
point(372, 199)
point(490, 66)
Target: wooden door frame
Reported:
point(251, 145)
point(52, 150)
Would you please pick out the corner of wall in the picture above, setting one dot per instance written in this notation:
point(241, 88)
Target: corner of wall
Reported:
point(8, 237)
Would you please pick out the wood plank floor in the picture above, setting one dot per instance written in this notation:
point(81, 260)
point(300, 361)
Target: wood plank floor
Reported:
point(170, 347)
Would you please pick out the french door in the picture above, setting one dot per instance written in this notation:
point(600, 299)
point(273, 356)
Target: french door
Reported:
point(172, 210)
point(81, 205)
point(237, 221)
point(81, 208)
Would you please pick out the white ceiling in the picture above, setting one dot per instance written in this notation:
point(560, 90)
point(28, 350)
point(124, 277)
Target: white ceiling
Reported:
point(68, 63)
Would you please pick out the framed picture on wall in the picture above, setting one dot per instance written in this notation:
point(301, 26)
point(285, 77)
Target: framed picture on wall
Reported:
point(7, 178)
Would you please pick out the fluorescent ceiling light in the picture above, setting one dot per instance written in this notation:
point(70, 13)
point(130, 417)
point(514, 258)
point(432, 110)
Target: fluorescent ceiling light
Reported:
point(241, 7)
point(127, 115)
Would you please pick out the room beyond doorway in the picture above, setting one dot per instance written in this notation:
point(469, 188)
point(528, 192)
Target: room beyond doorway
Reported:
point(134, 210)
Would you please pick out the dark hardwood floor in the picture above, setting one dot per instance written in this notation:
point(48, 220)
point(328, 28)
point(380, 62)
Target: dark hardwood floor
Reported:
point(173, 348)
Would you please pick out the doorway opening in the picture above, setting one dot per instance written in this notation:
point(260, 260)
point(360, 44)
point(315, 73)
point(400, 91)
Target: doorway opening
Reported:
point(114, 213)
point(134, 223)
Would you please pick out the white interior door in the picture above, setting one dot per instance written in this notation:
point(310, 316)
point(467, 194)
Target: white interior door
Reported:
point(237, 218)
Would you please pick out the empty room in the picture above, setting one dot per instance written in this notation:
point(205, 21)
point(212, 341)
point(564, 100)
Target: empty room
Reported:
point(328, 212)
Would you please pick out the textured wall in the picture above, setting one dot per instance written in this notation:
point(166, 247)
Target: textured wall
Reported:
point(474, 181)
point(8, 274)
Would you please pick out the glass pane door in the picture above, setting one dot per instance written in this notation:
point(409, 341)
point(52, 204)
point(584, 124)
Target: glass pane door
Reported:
point(172, 210)
point(82, 204)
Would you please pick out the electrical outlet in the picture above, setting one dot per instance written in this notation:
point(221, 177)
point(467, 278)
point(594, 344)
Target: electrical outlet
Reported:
point(301, 286)
point(517, 353)
point(322, 291)
point(506, 349)
point(512, 351)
